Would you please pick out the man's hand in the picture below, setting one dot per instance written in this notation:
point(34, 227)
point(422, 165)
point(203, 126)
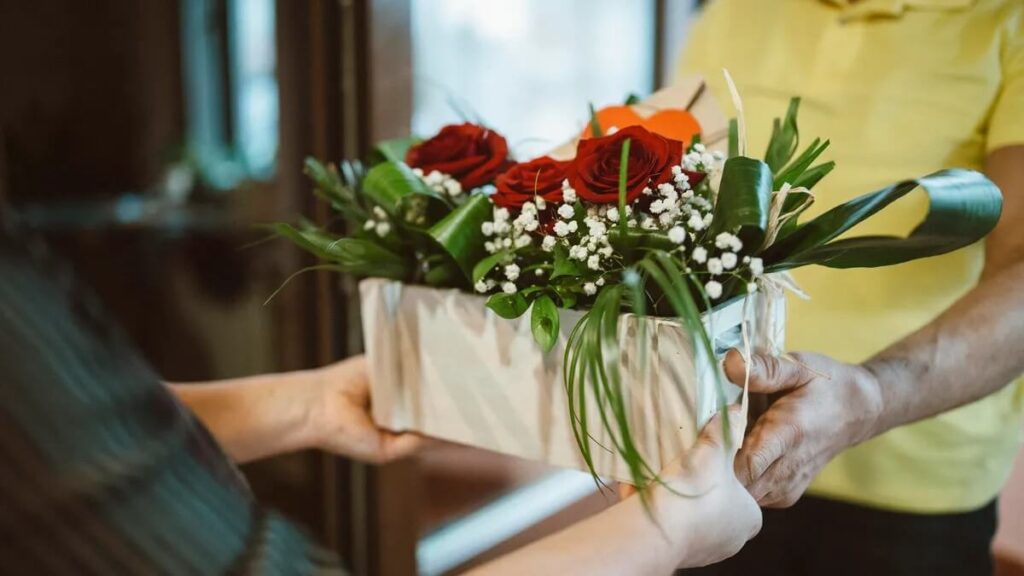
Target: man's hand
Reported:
point(344, 422)
point(821, 407)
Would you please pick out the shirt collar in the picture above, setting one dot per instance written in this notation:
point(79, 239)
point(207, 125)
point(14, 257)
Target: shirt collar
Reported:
point(894, 8)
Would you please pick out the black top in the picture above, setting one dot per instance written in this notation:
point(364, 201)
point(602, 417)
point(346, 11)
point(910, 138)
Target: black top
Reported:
point(102, 471)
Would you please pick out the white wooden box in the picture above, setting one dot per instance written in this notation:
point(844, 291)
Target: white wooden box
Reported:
point(444, 365)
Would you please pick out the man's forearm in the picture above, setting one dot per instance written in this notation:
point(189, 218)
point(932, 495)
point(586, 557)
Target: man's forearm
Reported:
point(970, 351)
point(257, 416)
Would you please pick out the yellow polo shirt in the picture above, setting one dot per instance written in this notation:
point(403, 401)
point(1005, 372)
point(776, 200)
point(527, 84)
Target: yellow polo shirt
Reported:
point(902, 88)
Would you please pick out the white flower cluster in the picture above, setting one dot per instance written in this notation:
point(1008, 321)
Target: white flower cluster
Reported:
point(440, 182)
point(725, 262)
point(507, 234)
point(379, 223)
point(698, 159)
point(590, 246)
point(676, 209)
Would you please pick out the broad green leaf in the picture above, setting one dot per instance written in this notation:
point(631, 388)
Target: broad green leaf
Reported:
point(544, 322)
point(487, 264)
point(963, 207)
point(389, 183)
point(743, 200)
point(784, 140)
point(508, 306)
point(459, 233)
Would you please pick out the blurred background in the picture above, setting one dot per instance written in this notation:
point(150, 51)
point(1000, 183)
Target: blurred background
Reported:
point(148, 141)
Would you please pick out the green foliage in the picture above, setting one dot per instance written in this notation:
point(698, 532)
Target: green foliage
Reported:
point(459, 233)
point(544, 322)
point(394, 150)
point(963, 207)
point(744, 196)
point(784, 140)
point(352, 255)
point(508, 306)
point(390, 184)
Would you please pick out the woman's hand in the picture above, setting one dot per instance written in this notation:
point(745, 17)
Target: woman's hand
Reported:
point(344, 424)
point(722, 516)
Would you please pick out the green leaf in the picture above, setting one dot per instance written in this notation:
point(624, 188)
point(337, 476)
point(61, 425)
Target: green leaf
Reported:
point(743, 200)
point(544, 322)
point(565, 266)
point(329, 186)
point(353, 255)
point(443, 274)
point(459, 233)
point(394, 150)
point(784, 140)
point(734, 138)
point(623, 177)
point(388, 184)
point(632, 99)
point(487, 264)
point(963, 207)
point(595, 125)
point(802, 163)
point(811, 177)
point(508, 306)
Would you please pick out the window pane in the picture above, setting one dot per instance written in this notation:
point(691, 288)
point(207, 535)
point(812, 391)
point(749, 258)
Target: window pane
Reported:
point(528, 68)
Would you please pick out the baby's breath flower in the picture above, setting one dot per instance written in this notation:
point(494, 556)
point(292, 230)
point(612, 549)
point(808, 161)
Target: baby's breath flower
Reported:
point(379, 213)
point(561, 229)
point(599, 281)
point(383, 228)
point(548, 244)
point(566, 211)
point(487, 228)
point(590, 288)
point(594, 262)
point(677, 234)
point(695, 222)
point(756, 266)
point(700, 255)
point(613, 214)
point(480, 286)
point(714, 289)
point(508, 288)
point(369, 225)
point(751, 287)
point(714, 266)
point(512, 272)
point(728, 260)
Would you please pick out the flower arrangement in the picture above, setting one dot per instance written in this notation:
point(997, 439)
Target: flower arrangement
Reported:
point(644, 219)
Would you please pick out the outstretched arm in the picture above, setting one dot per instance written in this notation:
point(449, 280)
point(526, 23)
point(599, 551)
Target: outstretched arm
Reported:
point(690, 531)
point(327, 408)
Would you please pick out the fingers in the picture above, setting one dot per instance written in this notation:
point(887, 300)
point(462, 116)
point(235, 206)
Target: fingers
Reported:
point(768, 374)
point(769, 441)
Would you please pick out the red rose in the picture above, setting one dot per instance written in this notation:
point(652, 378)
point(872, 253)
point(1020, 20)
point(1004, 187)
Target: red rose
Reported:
point(539, 177)
point(595, 172)
point(471, 154)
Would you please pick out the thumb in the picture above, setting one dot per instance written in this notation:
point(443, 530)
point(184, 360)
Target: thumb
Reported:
point(716, 437)
point(768, 374)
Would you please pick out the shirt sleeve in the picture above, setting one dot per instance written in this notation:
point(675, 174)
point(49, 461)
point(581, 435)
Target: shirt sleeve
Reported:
point(1006, 126)
point(102, 471)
